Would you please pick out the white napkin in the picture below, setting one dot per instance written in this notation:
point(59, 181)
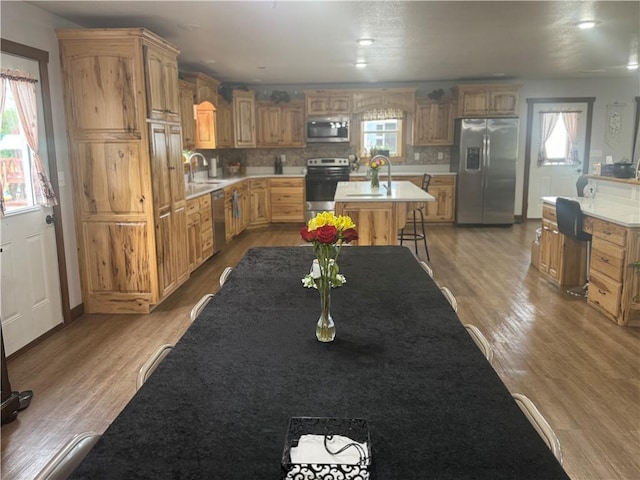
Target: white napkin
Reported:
point(311, 449)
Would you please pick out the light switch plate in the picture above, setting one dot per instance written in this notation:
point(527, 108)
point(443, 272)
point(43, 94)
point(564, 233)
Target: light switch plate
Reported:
point(416, 156)
point(440, 155)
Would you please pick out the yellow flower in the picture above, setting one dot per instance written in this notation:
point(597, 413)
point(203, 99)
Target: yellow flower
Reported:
point(322, 219)
point(344, 222)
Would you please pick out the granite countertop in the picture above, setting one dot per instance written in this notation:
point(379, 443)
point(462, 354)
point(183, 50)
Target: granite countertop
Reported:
point(362, 192)
point(401, 174)
point(606, 208)
point(202, 187)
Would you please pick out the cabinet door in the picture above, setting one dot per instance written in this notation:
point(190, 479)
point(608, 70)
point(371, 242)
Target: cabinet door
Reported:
point(245, 121)
point(326, 104)
point(269, 129)
point(194, 241)
point(186, 115)
point(442, 209)
point(473, 102)
point(162, 85)
point(205, 126)
point(160, 166)
point(292, 121)
point(229, 219)
point(224, 125)
point(245, 209)
point(180, 251)
point(170, 80)
point(504, 101)
point(433, 123)
point(167, 275)
point(175, 165)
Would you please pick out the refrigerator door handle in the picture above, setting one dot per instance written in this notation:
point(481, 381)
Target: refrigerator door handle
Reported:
point(485, 158)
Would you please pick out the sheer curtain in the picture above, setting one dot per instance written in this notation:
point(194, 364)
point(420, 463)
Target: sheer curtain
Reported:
point(571, 122)
point(2, 90)
point(548, 122)
point(23, 88)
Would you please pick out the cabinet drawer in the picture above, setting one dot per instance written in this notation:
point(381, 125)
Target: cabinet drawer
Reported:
point(258, 183)
point(287, 182)
point(605, 293)
point(287, 213)
point(607, 258)
point(193, 206)
point(206, 222)
point(205, 201)
point(549, 212)
point(610, 232)
point(207, 240)
point(443, 180)
point(286, 196)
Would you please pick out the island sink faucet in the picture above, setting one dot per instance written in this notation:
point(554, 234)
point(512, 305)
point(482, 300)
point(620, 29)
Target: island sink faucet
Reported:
point(386, 160)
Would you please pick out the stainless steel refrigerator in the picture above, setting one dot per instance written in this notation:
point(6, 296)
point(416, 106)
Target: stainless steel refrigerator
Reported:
point(484, 156)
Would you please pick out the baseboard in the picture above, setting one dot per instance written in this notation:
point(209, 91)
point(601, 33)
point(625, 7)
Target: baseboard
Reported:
point(77, 311)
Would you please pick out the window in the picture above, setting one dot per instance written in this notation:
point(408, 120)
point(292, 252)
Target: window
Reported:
point(15, 160)
point(558, 143)
point(382, 135)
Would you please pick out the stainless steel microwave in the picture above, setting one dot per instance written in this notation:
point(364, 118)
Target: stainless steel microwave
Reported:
point(327, 129)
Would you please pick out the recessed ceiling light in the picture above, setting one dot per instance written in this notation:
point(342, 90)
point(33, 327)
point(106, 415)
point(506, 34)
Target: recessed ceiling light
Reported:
point(632, 66)
point(586, 24)
point(189, 26)
point(361, 64)
point(365, 41)
point(262, 68)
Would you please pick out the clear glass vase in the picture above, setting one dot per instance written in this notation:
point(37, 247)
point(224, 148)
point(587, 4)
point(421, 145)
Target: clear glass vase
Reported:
point(325, 328)
point(375, 180)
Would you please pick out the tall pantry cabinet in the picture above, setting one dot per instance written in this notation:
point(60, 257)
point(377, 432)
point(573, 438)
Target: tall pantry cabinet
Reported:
point(125, 142)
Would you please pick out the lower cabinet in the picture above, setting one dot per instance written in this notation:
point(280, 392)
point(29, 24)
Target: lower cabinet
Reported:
point(260, 200)
point(443, 189)
point(287, 199)
point(236, 209)
point(199, 230)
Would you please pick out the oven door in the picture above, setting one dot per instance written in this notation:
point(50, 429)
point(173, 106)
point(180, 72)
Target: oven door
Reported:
point(321, 189)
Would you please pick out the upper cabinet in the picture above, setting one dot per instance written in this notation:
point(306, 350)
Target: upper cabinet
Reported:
point(224, 124)
point(206, 87)
point(244, 118)
point(280, 125)
point(490, 100)
point(433, 122)
point(206, 126)
point(162, 84)
point(392, 98)
point(187, 93)
point(327, 102)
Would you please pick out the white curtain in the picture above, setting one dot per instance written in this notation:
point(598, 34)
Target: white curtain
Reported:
point(2, 90)
point(548, 122)
point(23, 88)
point(382, 114)
point(571, 122)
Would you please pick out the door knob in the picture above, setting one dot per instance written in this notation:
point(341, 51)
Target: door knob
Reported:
point(50, 219)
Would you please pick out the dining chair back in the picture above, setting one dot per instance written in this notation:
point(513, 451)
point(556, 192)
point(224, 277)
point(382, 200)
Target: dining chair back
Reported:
point(68, 457)
point(427, 268)
point(150, 365)
point(570, 223)
point(539, 423)
point(450, 297)
point(481, 341)
point(198, 307)
point(225, 274)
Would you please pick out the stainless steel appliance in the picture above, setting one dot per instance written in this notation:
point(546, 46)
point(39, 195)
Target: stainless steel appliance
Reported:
point(484, 156)
point(327, 129)
point(219, 239)
point(321, 180)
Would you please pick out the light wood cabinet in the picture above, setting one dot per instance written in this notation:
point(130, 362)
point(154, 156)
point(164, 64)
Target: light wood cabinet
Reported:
point(224, 124)
point(614, 286)
point(280, 125)
point(287, 199)
point(187, 120)
point(562, 259)
point(206, 87)
point(244, 118)
point(433, 123)
point(260, 202)
point(327, 102)
point(205, 126)
point(376, 98)
point(237, 205)
point(488, 100)
point(443, 189)
point(199, 230)
point(126, 161)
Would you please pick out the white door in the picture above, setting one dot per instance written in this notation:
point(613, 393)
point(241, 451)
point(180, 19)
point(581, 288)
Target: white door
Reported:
point(553, 180)
point(30, 302)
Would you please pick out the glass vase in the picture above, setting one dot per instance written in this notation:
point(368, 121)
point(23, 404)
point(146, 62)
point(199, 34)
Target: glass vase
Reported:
point(375, 180)
point(325, 328)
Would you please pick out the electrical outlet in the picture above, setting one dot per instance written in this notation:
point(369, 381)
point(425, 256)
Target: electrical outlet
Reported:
point(416, 156)
point(283, 158)
point(440, 155)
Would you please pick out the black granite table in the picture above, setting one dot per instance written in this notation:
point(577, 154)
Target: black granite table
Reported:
point(218, 406)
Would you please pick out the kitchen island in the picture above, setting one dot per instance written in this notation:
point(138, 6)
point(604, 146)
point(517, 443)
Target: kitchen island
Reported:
point(378, 216)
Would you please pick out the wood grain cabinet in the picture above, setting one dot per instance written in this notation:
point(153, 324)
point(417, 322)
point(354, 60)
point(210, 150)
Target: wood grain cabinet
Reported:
point(244, 118)
point(187, 120)
point(224, 124)
point(488, 100)
point(443, 189)
point(280, 125)
point(205, 129)
point(237, 205)
point(199, 230)
point(287, 199)
point(433, 122)
point(206, 87)
point(260, 202)
point(126, 161)
point(327, 102)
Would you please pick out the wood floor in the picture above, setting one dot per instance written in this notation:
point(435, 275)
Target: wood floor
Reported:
point(581, 370)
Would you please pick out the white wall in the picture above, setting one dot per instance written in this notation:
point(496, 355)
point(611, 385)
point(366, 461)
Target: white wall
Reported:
point(26, 24)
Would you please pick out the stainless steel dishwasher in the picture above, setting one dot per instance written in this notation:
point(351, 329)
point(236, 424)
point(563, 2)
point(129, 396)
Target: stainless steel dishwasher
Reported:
point(219, 239)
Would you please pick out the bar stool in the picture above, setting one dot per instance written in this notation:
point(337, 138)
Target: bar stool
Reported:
point(415, 235)
point(570, 220)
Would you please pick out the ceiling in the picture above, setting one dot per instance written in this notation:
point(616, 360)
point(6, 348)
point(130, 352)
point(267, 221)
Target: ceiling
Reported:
point(314, 42)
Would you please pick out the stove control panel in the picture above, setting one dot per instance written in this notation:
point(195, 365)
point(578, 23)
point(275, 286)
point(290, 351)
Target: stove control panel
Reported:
point(313, 162)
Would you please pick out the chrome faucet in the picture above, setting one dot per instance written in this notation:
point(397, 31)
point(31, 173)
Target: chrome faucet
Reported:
point(189, 156)
point(387, 160)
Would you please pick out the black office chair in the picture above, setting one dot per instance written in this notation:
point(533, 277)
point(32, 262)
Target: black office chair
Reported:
point(415, 235)
point(570, 220)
